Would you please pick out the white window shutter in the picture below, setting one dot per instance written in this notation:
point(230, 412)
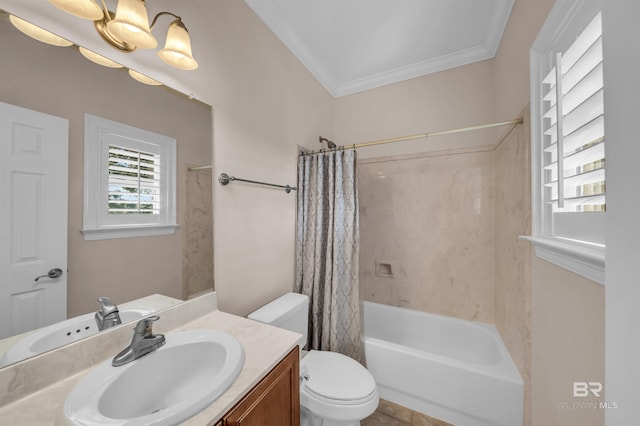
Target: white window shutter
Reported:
point(574, 154)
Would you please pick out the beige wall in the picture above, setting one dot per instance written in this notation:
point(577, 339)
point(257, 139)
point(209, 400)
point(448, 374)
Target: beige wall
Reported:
point(567, 332)
point(455, 98)
point(537, 342)
point(62, 83)
point(510, 71)
point(265, 104)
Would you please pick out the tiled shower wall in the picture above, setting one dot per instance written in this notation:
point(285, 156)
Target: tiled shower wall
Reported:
point(427, 232)
point(197, 263)
point(513, 255)
point(439, 233)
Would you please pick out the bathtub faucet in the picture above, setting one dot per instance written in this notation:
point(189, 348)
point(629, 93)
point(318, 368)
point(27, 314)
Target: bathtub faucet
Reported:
point(108, 315)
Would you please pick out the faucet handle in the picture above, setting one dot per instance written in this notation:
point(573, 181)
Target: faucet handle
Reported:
point(145, 325)
point(107, 306)
point(142, 343)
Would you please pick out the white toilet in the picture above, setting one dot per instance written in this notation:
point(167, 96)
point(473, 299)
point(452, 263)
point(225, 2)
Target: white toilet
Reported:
point(335, 390)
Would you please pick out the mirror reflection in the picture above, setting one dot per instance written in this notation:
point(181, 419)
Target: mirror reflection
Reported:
point(60, 82)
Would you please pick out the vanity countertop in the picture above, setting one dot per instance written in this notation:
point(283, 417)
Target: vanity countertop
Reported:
point(156, 302)
point(264, 347)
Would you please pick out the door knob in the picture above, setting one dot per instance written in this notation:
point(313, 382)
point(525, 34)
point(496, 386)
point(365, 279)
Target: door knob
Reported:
point(54, 273)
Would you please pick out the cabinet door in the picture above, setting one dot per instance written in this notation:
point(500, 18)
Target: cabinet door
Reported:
point(275, 401)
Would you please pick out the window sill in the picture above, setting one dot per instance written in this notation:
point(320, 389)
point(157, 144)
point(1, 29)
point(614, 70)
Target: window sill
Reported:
point(115, 232)
point(581, 259)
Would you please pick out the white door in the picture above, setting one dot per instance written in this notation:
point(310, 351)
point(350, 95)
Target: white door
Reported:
point(33, 219)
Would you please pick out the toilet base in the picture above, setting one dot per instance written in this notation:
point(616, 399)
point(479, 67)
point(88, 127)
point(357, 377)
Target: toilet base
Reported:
point(308, 419)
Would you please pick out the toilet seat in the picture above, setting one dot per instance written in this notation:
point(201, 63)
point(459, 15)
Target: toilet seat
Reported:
point(336, 379)
point(335, 390)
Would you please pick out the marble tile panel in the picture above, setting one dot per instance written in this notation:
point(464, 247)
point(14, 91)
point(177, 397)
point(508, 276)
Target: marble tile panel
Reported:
point(431, 218)
point(513, 256)
point(197, 274)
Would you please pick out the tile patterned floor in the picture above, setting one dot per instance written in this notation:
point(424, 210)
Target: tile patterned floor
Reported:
point(390, 414)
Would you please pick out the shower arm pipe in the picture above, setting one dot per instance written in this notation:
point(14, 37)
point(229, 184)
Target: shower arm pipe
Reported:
point(513, 122)
point(225, 179)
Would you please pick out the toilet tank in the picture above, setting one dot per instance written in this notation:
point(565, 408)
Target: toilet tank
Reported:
point(290, 312)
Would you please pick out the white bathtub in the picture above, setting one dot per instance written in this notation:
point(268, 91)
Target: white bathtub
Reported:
point(451, 369)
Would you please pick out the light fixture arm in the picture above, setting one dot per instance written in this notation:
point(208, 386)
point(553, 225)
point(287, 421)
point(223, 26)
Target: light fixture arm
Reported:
point(105, 10)
point(178, 19)
point(107, 36)
point(109, 16)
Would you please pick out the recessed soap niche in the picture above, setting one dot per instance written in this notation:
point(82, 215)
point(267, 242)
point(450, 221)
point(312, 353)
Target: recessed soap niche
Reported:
point(383, 269)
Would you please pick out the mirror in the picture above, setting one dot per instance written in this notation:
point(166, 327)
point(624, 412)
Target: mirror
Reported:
point(59, 81)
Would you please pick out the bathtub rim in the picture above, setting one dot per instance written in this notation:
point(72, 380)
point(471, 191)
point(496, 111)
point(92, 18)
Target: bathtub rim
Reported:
point(504, 369)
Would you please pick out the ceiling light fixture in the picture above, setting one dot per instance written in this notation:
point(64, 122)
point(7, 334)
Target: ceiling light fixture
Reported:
point(143, 78)
point(129, 29)
point(98, 59)
point(38, 33)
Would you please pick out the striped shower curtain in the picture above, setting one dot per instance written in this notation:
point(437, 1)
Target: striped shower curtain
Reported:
point(327, 250)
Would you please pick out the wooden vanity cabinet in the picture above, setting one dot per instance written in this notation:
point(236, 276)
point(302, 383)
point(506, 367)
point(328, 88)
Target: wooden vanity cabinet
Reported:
point(274, 401)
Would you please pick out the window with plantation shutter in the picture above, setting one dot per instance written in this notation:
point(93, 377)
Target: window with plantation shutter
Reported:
point(573, 114)
point(134, 181)
point(568, 140)
point(129, 181)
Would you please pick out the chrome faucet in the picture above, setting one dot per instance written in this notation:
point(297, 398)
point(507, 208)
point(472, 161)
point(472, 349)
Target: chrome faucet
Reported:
point(143, 342)
point(108, 315)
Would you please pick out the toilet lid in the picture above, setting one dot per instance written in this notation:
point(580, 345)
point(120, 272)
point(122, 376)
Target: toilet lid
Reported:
point(336, 376)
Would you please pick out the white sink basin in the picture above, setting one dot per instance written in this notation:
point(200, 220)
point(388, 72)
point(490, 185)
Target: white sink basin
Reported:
point(62, 333)
point(165, 387)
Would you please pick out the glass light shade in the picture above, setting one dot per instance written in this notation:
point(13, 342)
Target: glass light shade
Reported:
point(85, 9)
point(131, 24)
point(177, 50)
point(98, 59)
point(143, 78)
point(38, 33)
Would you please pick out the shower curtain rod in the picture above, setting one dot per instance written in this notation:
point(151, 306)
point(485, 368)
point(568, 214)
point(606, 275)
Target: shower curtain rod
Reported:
point(513, 123)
